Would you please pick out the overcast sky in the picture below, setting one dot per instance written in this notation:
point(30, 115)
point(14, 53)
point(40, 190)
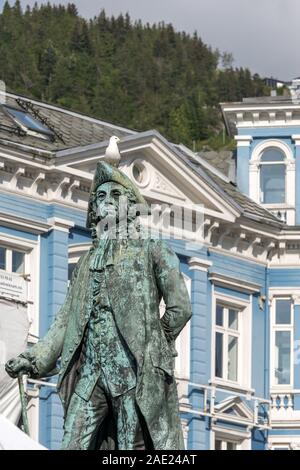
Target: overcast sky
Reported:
point(261, 34)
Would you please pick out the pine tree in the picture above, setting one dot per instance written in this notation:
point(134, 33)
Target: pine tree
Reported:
point(136, 75)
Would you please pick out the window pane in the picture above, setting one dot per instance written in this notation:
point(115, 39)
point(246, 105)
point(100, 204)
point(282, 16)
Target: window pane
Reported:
point(233, 319)
point(219, 355)
point(282, 357)
point(283, 311)
point(231, 446)
point(218, 444)
point(272, 155)
point(18, 262)
point(272, 184)
point(71, 267)
point(28, 121)
point(232, 358)
point(219, 315)
point(2, 258)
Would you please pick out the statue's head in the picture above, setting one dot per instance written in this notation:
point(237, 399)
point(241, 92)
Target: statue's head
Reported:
point(113, 196)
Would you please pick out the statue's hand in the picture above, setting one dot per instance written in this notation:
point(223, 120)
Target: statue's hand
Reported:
point(19, 364)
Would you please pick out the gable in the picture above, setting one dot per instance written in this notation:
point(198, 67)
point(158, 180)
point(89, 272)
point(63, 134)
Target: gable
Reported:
point(234, 406)
point(161, 176)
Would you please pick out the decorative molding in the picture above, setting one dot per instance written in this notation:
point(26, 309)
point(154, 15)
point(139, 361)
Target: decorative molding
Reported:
point(17, 222)
point(199, 264)
point(244, 115)
point(284, 291)
point(38, 179)
point(62, 225)
point(296, 299)
point(231, 434)
point(243, 140)
point(296, 139)
point(19, 171)
point(75, 185)
point(211, 229)
point(63, 183)
point(142, 164)
point(76, 251)
point(162, 185)
point(234, 283)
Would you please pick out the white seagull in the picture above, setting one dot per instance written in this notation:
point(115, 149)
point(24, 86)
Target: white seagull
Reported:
point(112, 154)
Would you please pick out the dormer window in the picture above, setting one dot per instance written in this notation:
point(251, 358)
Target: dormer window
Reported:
point(28, 123)
point(272, 177)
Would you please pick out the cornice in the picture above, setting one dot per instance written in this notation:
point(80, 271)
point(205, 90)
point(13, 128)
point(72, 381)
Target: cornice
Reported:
point(32, 226)
point(236, 283)
point(199, 264)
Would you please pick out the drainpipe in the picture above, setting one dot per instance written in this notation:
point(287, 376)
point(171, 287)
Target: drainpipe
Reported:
point(267, 333)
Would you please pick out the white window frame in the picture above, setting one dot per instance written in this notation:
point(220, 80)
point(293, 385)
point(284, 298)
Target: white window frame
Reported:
point(76, 251)
point(262, 164)
point(31, 248)
point(290, 176)
point(290, 442)
point(244, 346)
point(283, 327)
point(225, 331)
point(242, 439)
point(225, 442)
point(182, 361)
point(8, 258)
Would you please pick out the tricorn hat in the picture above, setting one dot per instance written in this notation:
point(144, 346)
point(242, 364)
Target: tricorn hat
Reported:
point(106, 173)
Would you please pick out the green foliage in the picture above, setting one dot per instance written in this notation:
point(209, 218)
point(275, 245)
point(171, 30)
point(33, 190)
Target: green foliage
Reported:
point(135, 75)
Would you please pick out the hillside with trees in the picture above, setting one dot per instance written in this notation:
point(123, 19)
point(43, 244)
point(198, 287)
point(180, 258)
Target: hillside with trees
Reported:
point(137, 75)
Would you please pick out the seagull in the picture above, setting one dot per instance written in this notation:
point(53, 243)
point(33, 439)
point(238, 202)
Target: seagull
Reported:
point(112, 154)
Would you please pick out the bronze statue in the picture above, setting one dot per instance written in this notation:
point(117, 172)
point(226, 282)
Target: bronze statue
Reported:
point(116, 378)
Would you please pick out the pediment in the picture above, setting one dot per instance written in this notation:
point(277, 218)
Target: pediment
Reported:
point(161, 176)
point(234, 406)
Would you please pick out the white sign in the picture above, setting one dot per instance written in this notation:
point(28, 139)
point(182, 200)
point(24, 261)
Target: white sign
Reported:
point(13, 286)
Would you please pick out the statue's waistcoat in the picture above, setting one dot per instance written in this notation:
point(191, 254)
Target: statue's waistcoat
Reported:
point(104, 353)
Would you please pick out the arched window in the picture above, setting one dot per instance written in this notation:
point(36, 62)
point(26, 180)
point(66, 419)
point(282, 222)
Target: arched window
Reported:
point(272, 177)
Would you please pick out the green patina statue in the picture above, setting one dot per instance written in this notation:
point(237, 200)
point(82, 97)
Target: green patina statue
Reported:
point(116, 378)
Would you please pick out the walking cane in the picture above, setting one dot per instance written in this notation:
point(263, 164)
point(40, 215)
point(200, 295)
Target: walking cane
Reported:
point(23, 404)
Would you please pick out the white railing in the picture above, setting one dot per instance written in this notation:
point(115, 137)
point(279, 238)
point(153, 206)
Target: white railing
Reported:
point(207, 406)
point(282, 401)
point(282, 406)
point(285, 214)
point(281, 214)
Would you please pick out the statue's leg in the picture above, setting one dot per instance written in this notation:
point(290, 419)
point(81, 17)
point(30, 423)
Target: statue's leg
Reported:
point(131, 429)
point(84, 419)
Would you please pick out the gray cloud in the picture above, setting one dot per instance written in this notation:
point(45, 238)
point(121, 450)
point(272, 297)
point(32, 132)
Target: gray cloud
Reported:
point(261, 34)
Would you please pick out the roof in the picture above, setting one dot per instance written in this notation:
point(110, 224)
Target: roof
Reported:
point(211, 175)
point(259, 100)
point(223, 160)
point(229, 190)
point(72, 129)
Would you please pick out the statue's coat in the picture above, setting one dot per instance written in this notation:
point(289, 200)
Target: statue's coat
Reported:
point(146, 271)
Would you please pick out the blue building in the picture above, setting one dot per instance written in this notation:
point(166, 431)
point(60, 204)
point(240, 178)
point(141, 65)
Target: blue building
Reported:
point(238, 364)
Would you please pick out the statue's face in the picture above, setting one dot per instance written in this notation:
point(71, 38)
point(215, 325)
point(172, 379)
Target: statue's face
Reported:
point(108, 199)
